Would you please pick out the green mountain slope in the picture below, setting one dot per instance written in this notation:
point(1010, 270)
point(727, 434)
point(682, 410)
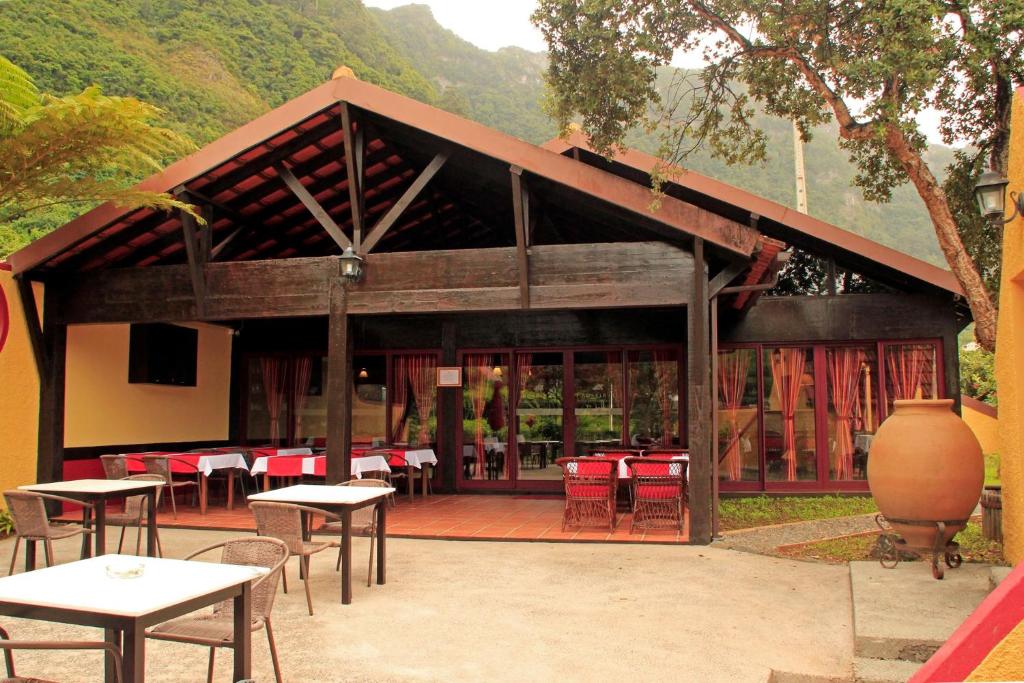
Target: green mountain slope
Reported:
point(215, 64)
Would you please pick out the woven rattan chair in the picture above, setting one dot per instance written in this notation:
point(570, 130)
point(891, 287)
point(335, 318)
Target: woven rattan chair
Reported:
point(590, 487)
point(28, 511)
point(658, 487)
point(161, 465)
point(114, 466)
point(364, 521)
point(283, 521)
point(390, 476)
point(7, 645)
point(134, 514)
point(216, 629)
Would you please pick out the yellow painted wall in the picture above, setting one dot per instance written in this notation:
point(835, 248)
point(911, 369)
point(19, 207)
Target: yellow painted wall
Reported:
point(19, 395)
point(1005, 662)
point(1010, 355)
point(102, 408)
point(984, 426)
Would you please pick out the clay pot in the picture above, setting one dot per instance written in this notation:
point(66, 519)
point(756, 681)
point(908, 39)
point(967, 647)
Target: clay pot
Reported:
point(925, 465)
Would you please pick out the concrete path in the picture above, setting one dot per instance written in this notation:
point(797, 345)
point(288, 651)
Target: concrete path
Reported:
point(766, 539)
point(470, 611)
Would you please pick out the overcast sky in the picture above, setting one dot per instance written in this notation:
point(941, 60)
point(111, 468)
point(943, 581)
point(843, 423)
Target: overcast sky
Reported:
point(493, 24)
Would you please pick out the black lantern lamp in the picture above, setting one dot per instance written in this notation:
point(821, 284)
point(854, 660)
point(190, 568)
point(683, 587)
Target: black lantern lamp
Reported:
point(990, 191)
point(351, 265)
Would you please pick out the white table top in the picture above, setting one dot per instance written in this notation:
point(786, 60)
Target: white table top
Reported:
point(91, 486)
point(314, 494)
point(85, 585)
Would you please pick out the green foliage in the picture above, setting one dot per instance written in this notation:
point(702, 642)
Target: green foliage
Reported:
point(978, 374)
point(6, 523)
point(992, 474)
point(983, 238)
point(741, 513)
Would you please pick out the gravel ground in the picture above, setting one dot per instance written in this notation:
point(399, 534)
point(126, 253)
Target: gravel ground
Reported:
point(765, 540)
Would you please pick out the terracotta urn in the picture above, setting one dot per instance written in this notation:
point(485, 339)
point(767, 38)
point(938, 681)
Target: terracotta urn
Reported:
point(925, 465)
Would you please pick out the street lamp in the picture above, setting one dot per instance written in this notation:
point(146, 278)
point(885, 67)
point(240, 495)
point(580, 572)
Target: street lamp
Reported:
point(990, 191)
point(351, 265)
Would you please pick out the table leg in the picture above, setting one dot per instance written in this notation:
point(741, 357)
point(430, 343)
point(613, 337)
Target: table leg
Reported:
point(409, 482)
point(231, 489)
point(423, 481)
point(381, 537)
point(86, 524)
point(243, 633)
point(112, 636)
point(305, 523)
point(100, 531)
point(204, 486)
point(30, 555)
point(151, 543)
point(133, 653)
point(346, 557)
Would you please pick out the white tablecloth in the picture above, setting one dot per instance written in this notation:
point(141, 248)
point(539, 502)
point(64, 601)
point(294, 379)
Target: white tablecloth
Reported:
point(368, 463)
point(419, 457)
point(221, 461)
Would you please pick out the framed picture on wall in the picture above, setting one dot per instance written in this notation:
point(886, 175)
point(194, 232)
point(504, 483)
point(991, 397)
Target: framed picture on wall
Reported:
point(449, 376)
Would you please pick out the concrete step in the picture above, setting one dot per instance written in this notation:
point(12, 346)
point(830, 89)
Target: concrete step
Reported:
point(883, 670)
point(789, 677)
point(905, 614)
point(996, 576)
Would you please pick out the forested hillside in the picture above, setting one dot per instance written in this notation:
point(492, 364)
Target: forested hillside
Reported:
point(215, 64)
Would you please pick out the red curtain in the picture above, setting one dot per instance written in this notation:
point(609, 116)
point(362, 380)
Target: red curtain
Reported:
point(400, 397)
point(664, 364)
point(907, 365)
point(478, 366)
point(524, 361)
point(787, 373)
point(273, 372)
point(422, 370)
point(302, 370)
point(733, 369)
point(844, 371)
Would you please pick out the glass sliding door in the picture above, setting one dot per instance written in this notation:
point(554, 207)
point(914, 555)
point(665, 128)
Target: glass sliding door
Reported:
point(599, 398)
point(414, 400)
point(370, 400)
point(539, 415)
point(789, 416)
point(654, 398)
point(853, 410)
point(911, 371)
point(739, 433)
point(485, 419)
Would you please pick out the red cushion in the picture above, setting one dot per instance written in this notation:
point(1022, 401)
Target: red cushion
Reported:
point(588, 490)
point(659, 491)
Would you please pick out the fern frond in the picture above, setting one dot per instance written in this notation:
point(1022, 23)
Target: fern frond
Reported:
point(17, 94)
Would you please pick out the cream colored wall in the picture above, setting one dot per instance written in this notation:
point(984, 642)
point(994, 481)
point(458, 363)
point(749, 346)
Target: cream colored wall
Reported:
point(19, 394)
point(102, 408)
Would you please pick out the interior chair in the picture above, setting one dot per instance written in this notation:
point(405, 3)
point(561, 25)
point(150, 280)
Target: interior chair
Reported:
point(364, 521)
point(8, 645)
point(391, 476)
point(283, 521)
point(658, 488)
point(28, 512)
point(135, 514)
point(114, 466)
point(216, 629)
point(590, 489)
point(161, 465)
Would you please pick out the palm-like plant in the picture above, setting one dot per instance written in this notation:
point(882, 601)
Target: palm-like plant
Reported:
point(77, 150)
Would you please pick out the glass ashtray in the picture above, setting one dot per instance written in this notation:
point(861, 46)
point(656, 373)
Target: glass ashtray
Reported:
point(125, 568)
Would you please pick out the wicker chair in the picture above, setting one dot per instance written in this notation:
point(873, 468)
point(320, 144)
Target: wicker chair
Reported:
point(134, 514)
point(590, 488)
point(161, 465)
point(114, 466)
point(283, 521)
point(363, 520)
point(6, 644)
point(658, 487)
point(390, 476)
point(216, 629)
point(28, 512)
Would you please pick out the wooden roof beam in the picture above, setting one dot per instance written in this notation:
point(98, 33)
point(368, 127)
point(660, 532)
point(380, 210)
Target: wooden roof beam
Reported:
point(407, 198)
point(519, 209)
point(312, 205)
point(355, 150)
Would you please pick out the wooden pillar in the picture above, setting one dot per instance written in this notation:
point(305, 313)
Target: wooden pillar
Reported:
point(698, 405)
point(339, 385)
point(50, 463)
point(451, 461)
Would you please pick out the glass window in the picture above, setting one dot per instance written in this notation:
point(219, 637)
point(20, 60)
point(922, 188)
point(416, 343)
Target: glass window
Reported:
point(852, 378)
point(414, 400)
point(790, 452)
point(485, 396)
point(654, 398)
point(267, 410)
point(369, 400)
point(539, 435)
point(911, 372)
point(739, 438)
point(599, 398)
point(309, 404)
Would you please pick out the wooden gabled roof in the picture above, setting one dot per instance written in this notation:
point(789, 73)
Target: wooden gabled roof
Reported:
point(858, 253)
point(256, 216)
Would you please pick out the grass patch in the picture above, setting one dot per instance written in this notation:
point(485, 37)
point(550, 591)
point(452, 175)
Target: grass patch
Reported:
point(974, 547)
point(743, 513)
point(992, 469)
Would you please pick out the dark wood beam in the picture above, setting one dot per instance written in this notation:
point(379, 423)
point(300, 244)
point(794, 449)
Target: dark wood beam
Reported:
point(196, 261)
point(725, 276)
point(353, 168)
point(32, 321)
point(313, 206)
point(339, 385)
point(407, 198)
point(448, 398)
point(521, 220)
point(50, 463)
point(224, 243)
point(698, 405)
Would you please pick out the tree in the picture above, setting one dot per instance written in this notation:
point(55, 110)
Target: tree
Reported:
point(871, 66)
point(76, 151)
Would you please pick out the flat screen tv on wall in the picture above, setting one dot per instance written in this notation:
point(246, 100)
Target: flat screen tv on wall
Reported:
point(159, 353)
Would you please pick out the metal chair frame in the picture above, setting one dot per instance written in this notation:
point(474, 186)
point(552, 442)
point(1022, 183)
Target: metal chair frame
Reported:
point(7, 645)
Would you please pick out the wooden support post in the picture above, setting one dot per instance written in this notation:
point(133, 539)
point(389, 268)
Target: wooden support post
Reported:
point(312, 205)
point(451, 461)
point(35, 327)
point(715, 447)
point(50, 465)
point(698, 423)
point(403, 203)
point(354, 172)
point(339, 386)
point(519, 208)
point(196, 260)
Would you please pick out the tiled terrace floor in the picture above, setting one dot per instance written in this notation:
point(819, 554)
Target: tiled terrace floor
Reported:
point(457, 517)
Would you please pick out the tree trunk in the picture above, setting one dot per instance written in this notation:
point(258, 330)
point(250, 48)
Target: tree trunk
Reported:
point(960, 262)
